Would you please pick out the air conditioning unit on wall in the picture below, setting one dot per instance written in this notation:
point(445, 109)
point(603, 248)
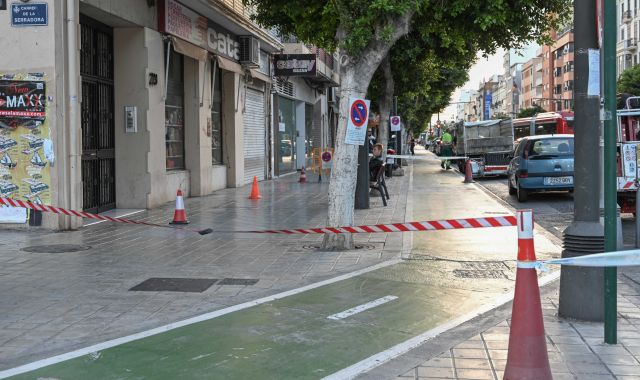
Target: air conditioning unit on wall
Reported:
point(249, 51)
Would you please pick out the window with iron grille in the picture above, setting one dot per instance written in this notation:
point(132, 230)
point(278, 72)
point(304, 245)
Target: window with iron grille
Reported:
point(174, 113)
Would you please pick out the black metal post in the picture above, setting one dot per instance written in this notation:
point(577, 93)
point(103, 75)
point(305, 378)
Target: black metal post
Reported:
point(362, 184)
point(581, 288)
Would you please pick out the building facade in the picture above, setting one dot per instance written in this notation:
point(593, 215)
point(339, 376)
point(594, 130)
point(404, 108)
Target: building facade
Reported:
point(135, 100)
point(628, 21)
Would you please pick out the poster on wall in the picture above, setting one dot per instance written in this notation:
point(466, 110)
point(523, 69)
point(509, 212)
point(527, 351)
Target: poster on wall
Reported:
point(26, 148)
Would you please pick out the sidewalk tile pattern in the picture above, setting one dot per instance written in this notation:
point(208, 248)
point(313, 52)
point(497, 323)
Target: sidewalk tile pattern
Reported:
point(576, 349)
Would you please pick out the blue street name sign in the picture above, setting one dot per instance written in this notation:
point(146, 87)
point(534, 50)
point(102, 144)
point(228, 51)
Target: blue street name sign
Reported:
point(31, 14)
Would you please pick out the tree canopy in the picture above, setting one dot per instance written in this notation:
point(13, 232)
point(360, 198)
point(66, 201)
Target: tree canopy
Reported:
point(531, 111)
point(355, 25)
point(629, 81)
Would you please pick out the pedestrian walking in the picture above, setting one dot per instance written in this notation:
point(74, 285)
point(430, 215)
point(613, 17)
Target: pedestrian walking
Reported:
point(412, 146)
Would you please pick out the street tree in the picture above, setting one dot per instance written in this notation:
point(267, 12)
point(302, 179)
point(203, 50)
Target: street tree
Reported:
point(364, 31)
point(428, 73)
point(531, 111)
point(629, 81)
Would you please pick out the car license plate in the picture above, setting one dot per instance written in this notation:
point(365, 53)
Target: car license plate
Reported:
point(568, 180)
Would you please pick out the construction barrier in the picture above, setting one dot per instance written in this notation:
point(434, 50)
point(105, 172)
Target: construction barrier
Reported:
point(426, 158)
point(83, 214)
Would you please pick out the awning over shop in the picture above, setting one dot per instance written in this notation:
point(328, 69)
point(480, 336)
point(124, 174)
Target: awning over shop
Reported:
point(229, 65)
point(190, 50)
point(258, 75)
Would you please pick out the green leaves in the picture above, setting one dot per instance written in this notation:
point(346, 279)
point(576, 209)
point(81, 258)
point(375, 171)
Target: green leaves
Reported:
point(629, 81)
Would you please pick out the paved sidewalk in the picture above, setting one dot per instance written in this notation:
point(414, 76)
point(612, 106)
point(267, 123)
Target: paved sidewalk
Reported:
point(576, 349)
point(53, 303)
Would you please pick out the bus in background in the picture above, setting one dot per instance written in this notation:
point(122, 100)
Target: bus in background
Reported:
point(545, 123)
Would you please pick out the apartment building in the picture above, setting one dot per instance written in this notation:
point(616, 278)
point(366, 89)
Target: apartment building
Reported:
point(138, 99)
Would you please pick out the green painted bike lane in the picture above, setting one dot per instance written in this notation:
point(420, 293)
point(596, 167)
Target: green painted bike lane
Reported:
point(292, 337)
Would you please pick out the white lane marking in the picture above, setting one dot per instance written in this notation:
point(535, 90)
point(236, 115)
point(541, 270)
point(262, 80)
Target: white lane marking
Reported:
point(204, 317)
point(395, 351)
point(361, 308)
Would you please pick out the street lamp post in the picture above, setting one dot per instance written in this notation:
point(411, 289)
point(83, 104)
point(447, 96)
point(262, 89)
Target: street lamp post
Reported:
point(581, 288)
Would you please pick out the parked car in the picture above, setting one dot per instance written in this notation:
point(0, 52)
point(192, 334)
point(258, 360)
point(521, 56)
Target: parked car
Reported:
point(541, 163)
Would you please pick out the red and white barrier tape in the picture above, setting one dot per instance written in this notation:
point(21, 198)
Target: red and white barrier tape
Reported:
point(432, 225)
point(88, 215)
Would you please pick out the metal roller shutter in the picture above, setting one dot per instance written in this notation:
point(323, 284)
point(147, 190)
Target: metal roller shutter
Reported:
point(254, 136)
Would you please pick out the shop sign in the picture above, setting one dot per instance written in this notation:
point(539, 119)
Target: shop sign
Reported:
point(32, 14)
point(182, 22)
point(291, 65)
point(488, 98)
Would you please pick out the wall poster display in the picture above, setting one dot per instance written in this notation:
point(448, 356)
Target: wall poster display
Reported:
point(26, 148)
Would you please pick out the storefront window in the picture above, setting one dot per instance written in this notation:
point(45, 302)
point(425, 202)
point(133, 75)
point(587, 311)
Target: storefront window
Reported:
point(216, 117)
point(286, 152)
point(174, 113)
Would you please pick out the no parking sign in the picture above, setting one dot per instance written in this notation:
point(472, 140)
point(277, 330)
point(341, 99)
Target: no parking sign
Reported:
point(326, 159)
point(357, 122)
point(395, 123)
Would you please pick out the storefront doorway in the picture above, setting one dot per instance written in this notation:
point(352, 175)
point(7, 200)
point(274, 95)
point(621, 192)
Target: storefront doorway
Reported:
point(286, 137)
point(98, 133)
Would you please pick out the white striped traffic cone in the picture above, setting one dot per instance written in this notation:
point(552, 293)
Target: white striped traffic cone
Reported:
point(180, 215)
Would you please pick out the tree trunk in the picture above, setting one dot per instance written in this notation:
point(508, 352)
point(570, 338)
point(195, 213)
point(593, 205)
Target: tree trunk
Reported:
point(385, 105)
point(355, 75)
point(344, 170)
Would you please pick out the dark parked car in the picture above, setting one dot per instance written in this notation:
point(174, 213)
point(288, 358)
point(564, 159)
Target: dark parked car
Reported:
point(541, 163)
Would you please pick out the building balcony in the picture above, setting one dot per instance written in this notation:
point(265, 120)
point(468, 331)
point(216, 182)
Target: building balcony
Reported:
point(538, 67)
point(538, 82)
point(627, 17)
point(631, 44)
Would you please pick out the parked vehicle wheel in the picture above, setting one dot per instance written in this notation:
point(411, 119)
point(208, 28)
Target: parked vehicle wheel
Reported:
point(512, 190)
point(522, 194)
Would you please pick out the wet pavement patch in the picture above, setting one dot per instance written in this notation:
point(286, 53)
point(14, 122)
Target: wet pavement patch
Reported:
point(239, 281)
point(56, 248)
point(160, 284)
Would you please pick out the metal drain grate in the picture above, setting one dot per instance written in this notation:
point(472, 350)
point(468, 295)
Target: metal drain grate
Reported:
point(485, 265)
point(56, 248)
point(318, 247)
point(239, 281)
point(163, 284)
point(490, 274)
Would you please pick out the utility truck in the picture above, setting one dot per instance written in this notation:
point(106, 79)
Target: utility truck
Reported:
point(487, 143)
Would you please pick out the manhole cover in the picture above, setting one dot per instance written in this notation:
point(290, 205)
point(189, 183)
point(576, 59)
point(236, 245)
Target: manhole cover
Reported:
point(462, 273)
point(365, 247)
point(239, 281)
point(56, 248)
point(160, 284)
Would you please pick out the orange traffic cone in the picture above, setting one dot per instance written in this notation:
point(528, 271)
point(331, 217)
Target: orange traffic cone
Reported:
point(179, 216)
point(468, 173)
point(527, 357)
point(255, 191)
point(303, 175)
